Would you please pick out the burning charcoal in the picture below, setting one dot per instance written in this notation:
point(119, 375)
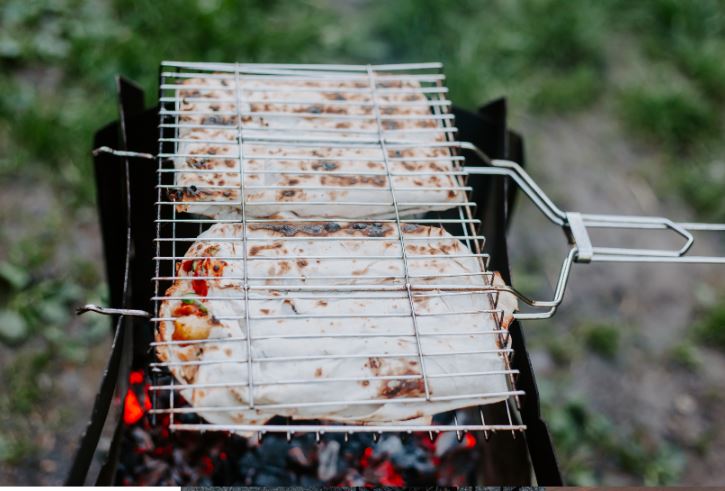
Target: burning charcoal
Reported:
point(352, 479)
point(458, 460)
point(415, 464)
point(329, 456)
point(298, 457)
point(448, 442)
point(248, 463)
point(272, 476)
point(388, 447)
point(153, 455)
point(142, 439)
point(267, 464)
point(309, 481)
point(445, 442)
point(273, 451)
point(383, 474)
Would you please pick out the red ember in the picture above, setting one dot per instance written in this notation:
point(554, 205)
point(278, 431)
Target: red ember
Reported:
point(132, 410)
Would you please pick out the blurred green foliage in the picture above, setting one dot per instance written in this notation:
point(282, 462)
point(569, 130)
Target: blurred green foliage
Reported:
point(685, 355)
point(711, 330)
point(58, 60)
point(602, 339)
point(589, 444)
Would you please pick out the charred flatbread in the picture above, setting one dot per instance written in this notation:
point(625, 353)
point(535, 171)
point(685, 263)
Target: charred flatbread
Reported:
point(318, 159)
point(329, 321)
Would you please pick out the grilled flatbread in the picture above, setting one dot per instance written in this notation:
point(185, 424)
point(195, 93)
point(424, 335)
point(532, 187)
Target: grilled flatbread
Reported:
point(304, 154)
point(329, 318)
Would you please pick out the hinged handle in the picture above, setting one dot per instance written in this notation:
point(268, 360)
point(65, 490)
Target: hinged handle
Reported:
point(684, 230)
point(580, 236)
point(576, 225)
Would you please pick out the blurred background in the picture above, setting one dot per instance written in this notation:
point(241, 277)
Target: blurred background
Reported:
point(622, 107)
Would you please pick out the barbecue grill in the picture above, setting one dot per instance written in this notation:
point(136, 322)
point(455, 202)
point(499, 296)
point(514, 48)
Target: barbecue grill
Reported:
point(473, 206)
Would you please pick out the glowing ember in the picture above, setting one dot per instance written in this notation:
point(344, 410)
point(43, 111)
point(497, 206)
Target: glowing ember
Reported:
point(153, 455)
point(132, 410)
point(469, 441)
point(136, 377)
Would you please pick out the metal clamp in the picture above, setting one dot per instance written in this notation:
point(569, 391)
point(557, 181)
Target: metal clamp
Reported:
point(576, 226)
point(111, 311)
point(122, 153)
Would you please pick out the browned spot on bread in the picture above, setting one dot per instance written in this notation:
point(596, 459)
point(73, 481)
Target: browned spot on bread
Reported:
point(287, 193)
point(416, 415)
point(412, 227)
point(360, 272)
point(391, 389)
point(378, 181)
point(254, 250)
point(188, 373)
point(292, 305)
point(375, 364)
point(334, 96)
point(324, 165)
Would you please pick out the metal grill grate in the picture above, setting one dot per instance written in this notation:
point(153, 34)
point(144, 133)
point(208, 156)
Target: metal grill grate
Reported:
point(356, 150)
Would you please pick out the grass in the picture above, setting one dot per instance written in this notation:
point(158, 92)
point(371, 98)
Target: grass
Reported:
point(668, 116)
point(20, 396)
point(711, 330)
point(685, 355)
point(568, 92)
point(589, 444)
point(602, 339)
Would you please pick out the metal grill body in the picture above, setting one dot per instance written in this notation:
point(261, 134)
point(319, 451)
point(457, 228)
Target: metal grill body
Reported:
point(366, 150)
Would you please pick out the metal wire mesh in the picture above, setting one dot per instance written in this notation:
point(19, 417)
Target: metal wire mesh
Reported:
point(347, 158)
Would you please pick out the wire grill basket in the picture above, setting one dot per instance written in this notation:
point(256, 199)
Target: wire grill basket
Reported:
point(361, 152)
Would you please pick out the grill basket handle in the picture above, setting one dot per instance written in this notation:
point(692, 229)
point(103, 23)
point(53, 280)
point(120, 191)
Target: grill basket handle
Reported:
point(576, 227)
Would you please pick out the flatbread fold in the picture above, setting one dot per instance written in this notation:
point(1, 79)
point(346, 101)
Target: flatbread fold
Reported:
point(310, 149)
point(330, 325)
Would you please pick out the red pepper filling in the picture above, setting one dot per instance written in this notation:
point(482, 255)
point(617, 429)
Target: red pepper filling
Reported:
point(201, 287)
point(203, 267)
point(188, 309)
